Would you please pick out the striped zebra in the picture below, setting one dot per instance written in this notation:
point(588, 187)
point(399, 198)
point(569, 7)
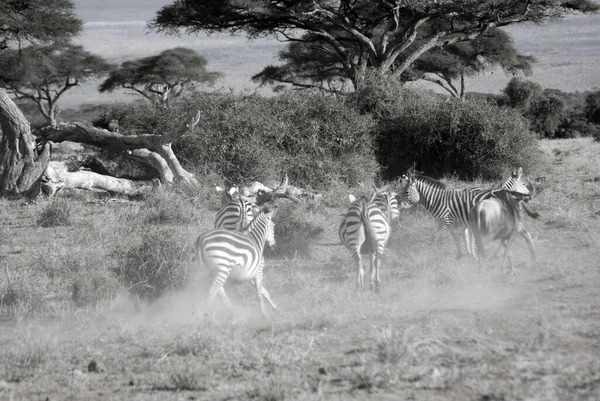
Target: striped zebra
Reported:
point(449, 207)
point(496, 218)
point(387, 202)
point(523, 205)
point(509, 184)
point(235, 213)
point(237, 256)
point(365, 229)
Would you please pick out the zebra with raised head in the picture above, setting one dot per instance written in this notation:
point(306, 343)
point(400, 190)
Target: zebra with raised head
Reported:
point(496, 218)
point(237, 256)
point(235, 213)
point(365, 229)
point(449, 207)
point(523, 204)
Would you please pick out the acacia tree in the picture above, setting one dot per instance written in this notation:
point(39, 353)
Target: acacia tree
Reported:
point(459, 60)
point(305, 67)
point(163, 76)
point(27, 21)
point(43, 74)
point(385, 35)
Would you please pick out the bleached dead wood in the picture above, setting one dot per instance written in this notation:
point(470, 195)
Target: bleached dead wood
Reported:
point(259, 193)
point(154, 150)
point(58, 176)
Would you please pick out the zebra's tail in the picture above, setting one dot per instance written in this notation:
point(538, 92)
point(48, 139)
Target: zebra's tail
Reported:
point(369, 233)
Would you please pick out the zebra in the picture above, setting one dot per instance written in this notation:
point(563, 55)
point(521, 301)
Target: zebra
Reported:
point(387, 203)
point(449, 207)
point(365, 229)
point(496, 217)
point(523, 204)
point(235, 213)
point(237, 256)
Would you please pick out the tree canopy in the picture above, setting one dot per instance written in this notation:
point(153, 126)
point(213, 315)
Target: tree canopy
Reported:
point(495, 48)
point(386, 35)
point(43, 74)
point(37, 21)
point(160, 77)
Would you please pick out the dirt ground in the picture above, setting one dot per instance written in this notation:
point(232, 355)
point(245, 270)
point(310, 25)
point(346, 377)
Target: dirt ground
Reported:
point(441, 329)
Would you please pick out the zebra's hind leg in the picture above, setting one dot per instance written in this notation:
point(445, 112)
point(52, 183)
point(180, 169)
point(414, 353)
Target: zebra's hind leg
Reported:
point(269, 300)
point(522, 231)
point(360, 280)
point(507, 245)
point(375, 274)
point(260, 294)
point(217, 285)
point(372, 257)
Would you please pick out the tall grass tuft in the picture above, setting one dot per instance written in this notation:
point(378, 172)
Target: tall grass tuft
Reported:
point(168, 207)
point(155, 266)
point(56, 213)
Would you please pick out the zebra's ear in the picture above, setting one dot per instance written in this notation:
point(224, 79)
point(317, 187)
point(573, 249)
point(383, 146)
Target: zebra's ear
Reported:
point(232, 190)
point(219, 189)
point(352, 198)
point(520, 171)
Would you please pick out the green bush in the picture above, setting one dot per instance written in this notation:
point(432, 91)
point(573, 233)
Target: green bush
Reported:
point(592, 107)
point(547, 114)
point(155, 266)
point(294, 232)
point(314, 138)
point(468, 139)
point(56, 213)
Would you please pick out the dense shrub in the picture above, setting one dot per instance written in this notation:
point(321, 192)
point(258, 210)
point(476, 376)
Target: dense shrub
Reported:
point(469, 139)
point(380, 95)
point(293, 230)
point(313, 138)
point(155, 266)
point(592, 107)
point(546, 114)
point(521, 92)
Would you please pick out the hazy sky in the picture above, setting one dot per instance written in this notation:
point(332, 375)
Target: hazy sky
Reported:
point(568, 52)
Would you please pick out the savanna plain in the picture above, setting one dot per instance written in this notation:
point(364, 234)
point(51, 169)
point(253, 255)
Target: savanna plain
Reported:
point(441, 328)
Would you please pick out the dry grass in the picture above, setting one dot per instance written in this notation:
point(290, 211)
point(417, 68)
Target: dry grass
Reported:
point(441, 329)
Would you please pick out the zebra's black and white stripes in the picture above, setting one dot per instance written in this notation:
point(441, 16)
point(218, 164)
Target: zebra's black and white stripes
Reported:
point(450, 208)
point(235, 213)
point(238, 256)
point(365, 229)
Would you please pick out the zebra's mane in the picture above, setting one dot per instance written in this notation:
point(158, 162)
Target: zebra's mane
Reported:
point(430, 181)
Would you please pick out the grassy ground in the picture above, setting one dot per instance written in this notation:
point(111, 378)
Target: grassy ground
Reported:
point(440, 330)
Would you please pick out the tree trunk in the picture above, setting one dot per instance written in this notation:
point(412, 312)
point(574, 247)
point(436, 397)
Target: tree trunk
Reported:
point(21, 162)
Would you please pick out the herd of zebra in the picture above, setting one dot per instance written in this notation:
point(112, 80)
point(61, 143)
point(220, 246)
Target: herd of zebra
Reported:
point(234, 249)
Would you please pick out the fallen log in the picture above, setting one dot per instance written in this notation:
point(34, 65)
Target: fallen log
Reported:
point(154, 150)
point(57, 177)
point(259, 194)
